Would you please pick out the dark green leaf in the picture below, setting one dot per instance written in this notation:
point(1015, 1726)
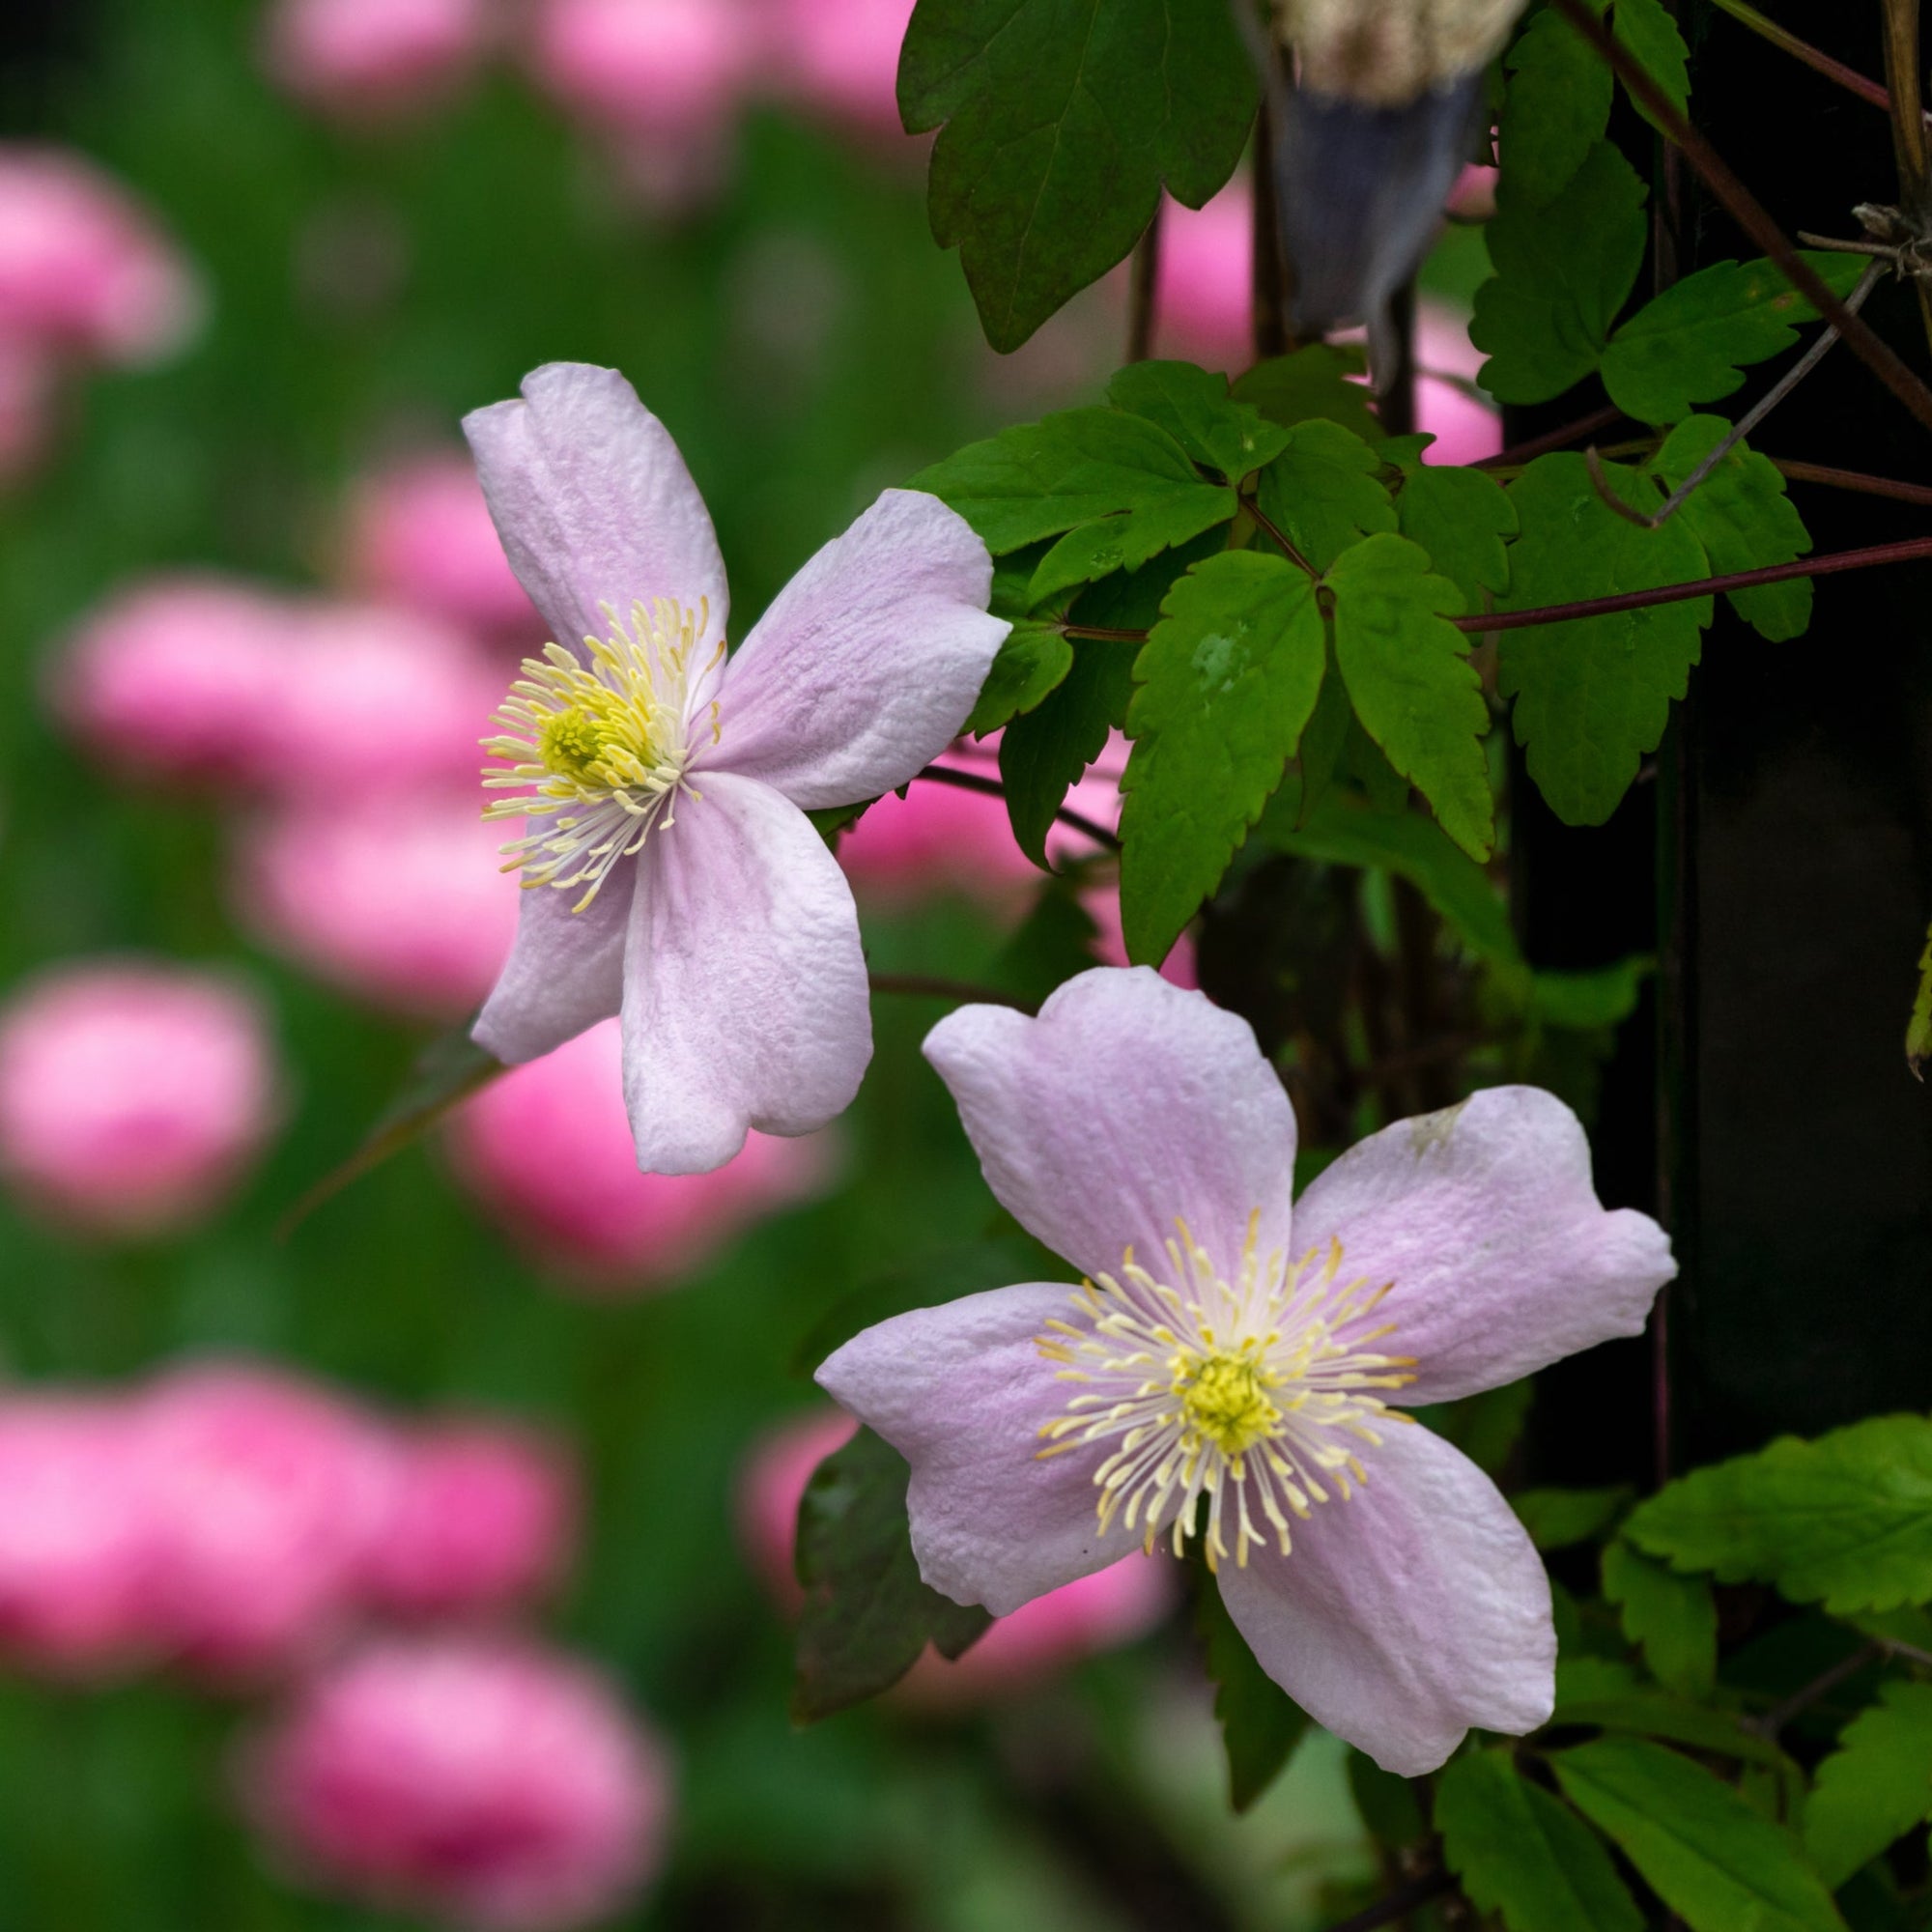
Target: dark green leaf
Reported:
point(1649, 33)
point(1311, 383)
point(1604, 997)
point(867, 1615)
point(1562, 271)
point(1054, 942)
point(829, 821)
point(1032, 660)
point(1594, 1691)
point(1325, 492)
point(1744, 520)
point(1460, 518)
point(1673, 1619)
point(1555, 111)
point(1261, 1724)
point(1593, 695)
point(1063, 119)
point(1390, 1805)
point(1846, 1519)
point(1486, 1426)
point(1522, 1853)
point(1384, 787)
point(1555, 1519)
point(1043, 752)
point(1918, 1023)
point(1693, 343)
point(1193, 407)
point(1323, 739)
point(1875, 1786)
point(1713, 1859)
point(1224, 685)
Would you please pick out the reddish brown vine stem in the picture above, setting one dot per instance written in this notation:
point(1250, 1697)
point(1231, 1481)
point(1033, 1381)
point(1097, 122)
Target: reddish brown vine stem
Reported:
point(993, 788)
point(1854, 482)
point(1749, 215)
point(1556, 438)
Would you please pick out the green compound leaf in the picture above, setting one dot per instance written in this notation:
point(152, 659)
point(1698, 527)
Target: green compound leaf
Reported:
point(1845, 1520)
point(1410, 678)
point(867, 1615)
point(1325, 492)
point(1063, 119)
point(1555, 111)
point(1919, 1022)
point(1032, 663)
point(1744, 520)
point(1673, 1619)
point(1649, 33)
point(1226, 682)
point(1312, 382)
point(1460, 518)
point(1562, 271)
point(1876, 1786)
point(1043, 751)
point(1693, 343)
point(1193, 406)
point(1716, 1862)
point(1557, 1518)
point(1261, 1724)
point(1525, 1855)
point(1593, 693)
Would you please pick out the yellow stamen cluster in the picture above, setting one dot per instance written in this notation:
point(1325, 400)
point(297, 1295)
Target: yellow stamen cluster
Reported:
point(600, 744)
point(1252, 1393)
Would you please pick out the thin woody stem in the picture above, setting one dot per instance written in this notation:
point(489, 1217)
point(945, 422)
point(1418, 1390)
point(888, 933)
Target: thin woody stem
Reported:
point(1277, 535)
point(1851, 480)
point(962, 992)
point(993, 788)
point(1775, 1719)
point(1144, 284)
point(1750, 214)
point(1783, 39)
point(1556, 438)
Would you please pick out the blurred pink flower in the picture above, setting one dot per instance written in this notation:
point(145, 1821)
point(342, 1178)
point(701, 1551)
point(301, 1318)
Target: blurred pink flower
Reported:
point(547, 1150)
point(26, 407)
point(419, 533)
point(266, 1495)
point(481, 1517)
point(75, 1552)
point(1204, 279)
point(1102, 903)
point(1466, 427)
point(841, 57)
point(401, 903)
point(178, 678)
point(770, 1483)
point(484, 1782)
point(83, 270)
point(939, 837)
point(364, 59)
point(132, 1096)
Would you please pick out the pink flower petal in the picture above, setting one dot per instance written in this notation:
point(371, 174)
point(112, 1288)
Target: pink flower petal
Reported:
point(1126, 1103)
point(1407, 1614)
point(1485, 1218)
point(593, 502)
point(867, 662)
point(962, 1393)
point(745, 996)
point(564, 974)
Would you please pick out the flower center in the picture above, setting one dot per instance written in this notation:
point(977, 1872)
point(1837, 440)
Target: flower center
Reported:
point(1254, 1393)
point(599, 746)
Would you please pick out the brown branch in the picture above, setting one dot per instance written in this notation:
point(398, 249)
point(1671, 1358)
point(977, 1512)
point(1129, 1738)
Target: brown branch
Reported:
point(1827, 565)
point(993, 788)
point(928, 986)
point(1399, 1903)
point(1102, 633)
point(1783, 39)
point(1851, 480)
point(1143, 288)
point(1277, 535)
point(1778, 1716)
point(1556, 438)
point(1749, 213)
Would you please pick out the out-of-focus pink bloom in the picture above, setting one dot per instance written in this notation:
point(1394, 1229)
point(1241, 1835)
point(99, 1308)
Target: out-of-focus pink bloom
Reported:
point(770, 1484)
point(1102, 903)
point(83, 270)
point(180, 678)
point(131, 1096)
point(1204, 280)
point(485, 1782)
point(75, 1552)
point(267, 1497)
point(400, 902)
point(481, 1517)
point(1466, 427)
point(368, 58)
point(419, 533)
point(939, 837)
point(26, 407)
point(1474, 194)
point(841, 57)
point(546, 1149)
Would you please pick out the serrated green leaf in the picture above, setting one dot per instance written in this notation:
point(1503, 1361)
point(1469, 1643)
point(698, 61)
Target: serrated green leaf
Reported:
point(1647, 31)
point(1384, 787)
point(1486, 1426)
point(1556, 108)
point(1744, 520)
point(1693, 343)
point(866, 1616)
point(1045, 750)
point(1919, 1022)
point(1562, 273)
point(1673, 1619)
point(1713, 1859)
point(1325, 492)
point(1388, 1804)
point(1593, 693)
point(1193, 406)
point(1598, 1692)
point(1053, 943)
point(1031, 662)
point(1411, 680)
point(1261, 1724)
point(1310, 385)
point(1063, 118)
point(1556, 1518)
point(1225, 684)
point(1323, 738)
point(1460, 518)
point(1845, 1520)
point(1875, 1786)
point(1118, 484)
point(1522, 1853)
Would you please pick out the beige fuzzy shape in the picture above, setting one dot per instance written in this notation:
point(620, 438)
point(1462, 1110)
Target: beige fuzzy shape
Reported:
point(1385, 53)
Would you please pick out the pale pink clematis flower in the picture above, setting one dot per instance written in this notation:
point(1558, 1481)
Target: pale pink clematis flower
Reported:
point(364, 59)
point(482, 1781)
point(671, 871)
point(1224, 1349)
point(132, 1096)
